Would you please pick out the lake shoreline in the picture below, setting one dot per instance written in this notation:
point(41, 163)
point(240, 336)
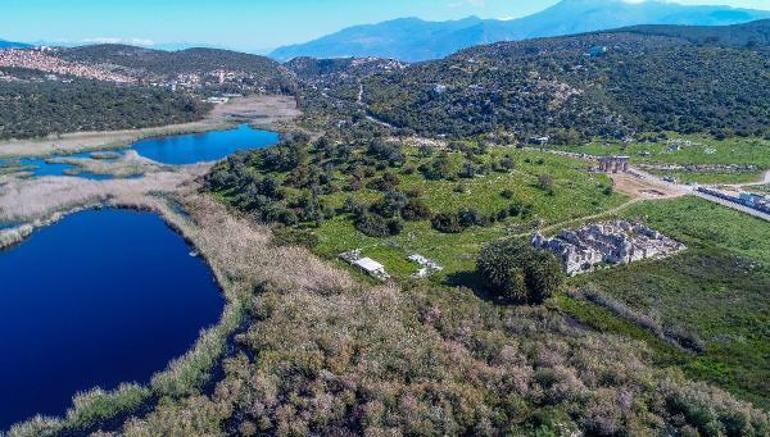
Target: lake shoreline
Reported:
point(270, 112)
point(242, 258)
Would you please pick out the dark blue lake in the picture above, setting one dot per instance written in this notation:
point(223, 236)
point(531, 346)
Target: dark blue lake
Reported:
point(204, 147)
point(100, 298)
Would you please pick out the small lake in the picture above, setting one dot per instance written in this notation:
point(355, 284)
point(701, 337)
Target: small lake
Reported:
point(173, 150)
point(204, 147)
point(100, 298)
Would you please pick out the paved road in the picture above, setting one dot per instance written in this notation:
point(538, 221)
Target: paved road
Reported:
point(733, 205)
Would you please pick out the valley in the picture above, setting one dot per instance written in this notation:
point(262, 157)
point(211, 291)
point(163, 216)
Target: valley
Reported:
point(382, 258)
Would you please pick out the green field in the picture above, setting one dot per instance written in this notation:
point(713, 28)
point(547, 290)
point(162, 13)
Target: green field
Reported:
point(576, 194)
point(719, 290)
point(701, 150)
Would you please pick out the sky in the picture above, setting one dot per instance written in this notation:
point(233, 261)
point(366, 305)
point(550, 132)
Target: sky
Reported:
point(248, 25)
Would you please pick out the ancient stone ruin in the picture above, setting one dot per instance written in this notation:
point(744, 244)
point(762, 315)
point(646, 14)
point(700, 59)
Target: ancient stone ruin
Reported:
point(613, 243)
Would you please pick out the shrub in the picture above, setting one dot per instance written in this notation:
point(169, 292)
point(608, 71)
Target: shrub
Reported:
point(415, 210)
point(470, 217)
point(374, 225)
point(390, 205)
point(545, 183)
point(507, 194)
point(437, 169)
point(517, 272)
point(506, 163)
point(447, 223)
point(387, 182)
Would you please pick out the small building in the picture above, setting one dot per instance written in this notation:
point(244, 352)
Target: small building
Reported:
point(541, 141)
point(614, 164)
point(372, 268)
point(427, 266)
point(366, 265)
point(597, 51)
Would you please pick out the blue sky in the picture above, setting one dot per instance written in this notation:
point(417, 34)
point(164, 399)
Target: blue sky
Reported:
point(239, 24)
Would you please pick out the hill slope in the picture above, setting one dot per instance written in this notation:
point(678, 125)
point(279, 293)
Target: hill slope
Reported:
point(609, 84)
point(157, 65)
point(40, 107)
point(412, 39)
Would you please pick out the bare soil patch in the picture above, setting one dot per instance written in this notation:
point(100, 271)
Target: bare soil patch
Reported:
point(645, 188)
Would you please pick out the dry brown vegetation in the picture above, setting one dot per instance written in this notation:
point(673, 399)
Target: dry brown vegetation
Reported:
point(388, 361)
point(322, 354)
point(33, 199)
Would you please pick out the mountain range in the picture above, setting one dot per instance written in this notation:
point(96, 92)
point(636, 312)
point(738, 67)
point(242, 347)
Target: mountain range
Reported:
point(12, 45)
point(413, 39)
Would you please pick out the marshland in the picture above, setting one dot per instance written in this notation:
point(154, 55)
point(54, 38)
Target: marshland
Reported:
point(97, 269)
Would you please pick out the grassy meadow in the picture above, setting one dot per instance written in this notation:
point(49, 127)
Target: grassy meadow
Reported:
point(718, 291)
point(576, 194)
point(703, 150)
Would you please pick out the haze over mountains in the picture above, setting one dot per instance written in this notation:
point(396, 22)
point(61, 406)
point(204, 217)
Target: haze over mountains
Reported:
point(413, 39)
point(12, 45)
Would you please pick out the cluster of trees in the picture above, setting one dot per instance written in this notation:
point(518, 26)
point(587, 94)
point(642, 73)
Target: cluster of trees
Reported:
point(31, 109)
point(518, 273)
point(288, 184)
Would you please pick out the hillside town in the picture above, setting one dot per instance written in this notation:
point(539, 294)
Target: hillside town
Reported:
point(39, 59)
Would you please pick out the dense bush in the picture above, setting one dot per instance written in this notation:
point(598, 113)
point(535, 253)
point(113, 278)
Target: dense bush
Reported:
point(415, 210)
point(374, 225)
point(517, 272)
point(447, 223)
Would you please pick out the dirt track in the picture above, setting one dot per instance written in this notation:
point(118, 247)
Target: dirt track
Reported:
point(646, 188)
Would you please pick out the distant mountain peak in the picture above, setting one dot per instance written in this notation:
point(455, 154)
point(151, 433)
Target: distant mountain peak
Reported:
point(413, 39)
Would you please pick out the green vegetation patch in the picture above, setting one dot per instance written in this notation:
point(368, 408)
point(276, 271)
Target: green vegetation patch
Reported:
point(391, 200)
point(717, 291)
point(705, 159)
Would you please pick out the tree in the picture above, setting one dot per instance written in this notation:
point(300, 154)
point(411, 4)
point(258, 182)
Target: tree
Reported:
point(517, 272)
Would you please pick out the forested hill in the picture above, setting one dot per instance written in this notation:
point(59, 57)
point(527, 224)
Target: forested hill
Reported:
point(31, 106)
point(164, 65)
point(610, 84)
point(749, 35)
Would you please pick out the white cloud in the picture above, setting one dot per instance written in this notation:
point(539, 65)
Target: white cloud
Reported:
point(118, 40)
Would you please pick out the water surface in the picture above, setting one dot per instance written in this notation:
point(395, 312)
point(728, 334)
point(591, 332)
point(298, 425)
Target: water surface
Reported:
point(100, 298)
point(204, 147)
point(173, 150)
